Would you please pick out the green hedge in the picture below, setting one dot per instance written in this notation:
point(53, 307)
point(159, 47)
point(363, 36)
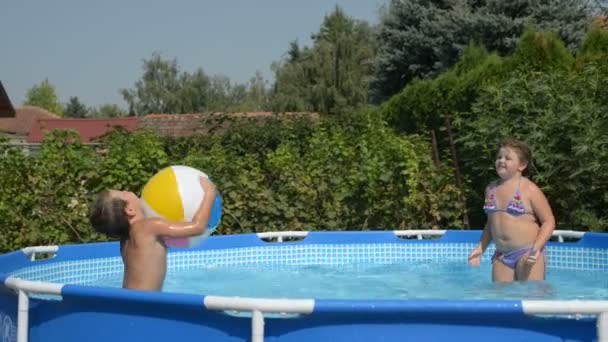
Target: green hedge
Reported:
point(282, 174)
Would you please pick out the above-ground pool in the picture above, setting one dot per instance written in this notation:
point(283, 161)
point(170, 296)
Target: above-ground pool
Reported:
point(298, 286)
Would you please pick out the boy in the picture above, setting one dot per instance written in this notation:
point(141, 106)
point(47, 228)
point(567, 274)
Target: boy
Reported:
point(119, 214)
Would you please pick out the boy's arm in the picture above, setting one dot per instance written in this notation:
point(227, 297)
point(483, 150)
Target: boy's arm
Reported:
point(199, 222)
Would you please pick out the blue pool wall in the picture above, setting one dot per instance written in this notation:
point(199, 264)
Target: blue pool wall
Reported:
point(101, 314)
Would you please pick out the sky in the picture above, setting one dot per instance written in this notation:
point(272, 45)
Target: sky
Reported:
point(92, 49)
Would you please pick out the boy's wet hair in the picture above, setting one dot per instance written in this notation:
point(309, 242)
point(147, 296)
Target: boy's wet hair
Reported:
point(108, 216)
point(523, 152)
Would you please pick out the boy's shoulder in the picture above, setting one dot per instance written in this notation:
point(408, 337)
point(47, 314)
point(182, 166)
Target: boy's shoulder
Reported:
point(143, 226)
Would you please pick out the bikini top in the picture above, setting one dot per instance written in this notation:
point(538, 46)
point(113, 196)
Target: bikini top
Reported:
point(514, 207)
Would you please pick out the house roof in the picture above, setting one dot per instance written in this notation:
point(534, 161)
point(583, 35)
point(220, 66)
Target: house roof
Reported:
point(172, 125)
point(6, 107)
point(183, 125)
point(601, 21)
point(24, 118)
point(89, 129)
point(175, 125)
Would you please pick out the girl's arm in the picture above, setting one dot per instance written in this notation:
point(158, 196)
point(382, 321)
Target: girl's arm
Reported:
point(542, 210)
point(486, 237)
point(484, 241)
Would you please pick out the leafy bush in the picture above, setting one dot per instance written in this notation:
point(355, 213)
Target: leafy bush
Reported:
point(540, 94)
point(350, 172)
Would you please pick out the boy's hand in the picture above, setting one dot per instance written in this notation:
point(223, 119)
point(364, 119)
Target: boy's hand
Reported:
point(206, 184)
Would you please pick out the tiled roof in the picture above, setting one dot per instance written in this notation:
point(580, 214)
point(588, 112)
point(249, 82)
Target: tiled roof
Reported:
point(173, 125)
point(6, 107)
point(24, 119)
point(183, 125)
point(601, 21)
point(89, 129)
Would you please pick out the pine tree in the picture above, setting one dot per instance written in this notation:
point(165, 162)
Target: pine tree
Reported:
point(422, 38)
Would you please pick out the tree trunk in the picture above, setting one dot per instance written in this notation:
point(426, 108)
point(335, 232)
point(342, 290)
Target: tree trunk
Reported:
point(457, 174)
point(435, 149)
point(437, 162)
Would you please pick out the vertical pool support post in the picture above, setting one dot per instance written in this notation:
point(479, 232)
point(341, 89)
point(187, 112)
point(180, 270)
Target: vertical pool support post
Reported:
point(257, 326)
point(23, 289)
point(597, 308)
point(23, 317)
point(257, 307)
point(602, 327)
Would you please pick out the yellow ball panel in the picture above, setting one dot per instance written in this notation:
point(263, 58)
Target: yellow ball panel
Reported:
point(161, 194)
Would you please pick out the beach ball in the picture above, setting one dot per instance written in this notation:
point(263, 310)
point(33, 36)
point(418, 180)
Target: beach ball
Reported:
point(175, 193)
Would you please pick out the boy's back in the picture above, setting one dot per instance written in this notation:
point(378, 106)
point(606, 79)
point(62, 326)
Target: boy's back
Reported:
point(145, 259)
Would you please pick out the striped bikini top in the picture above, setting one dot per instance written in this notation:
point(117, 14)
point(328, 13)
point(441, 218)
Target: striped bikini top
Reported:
point(515, 206)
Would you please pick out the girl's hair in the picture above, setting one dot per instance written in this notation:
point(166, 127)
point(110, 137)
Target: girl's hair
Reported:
point(523, 152)
point(108, 216)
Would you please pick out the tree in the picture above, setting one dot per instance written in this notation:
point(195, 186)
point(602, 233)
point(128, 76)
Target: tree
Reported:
point(218, 92)
point(44, 96)
point(194, 92)
point(163, 88)
point(422, 38)
point(257, 96)
point(158, 89)
point(107, 111)
point(294, 53)
point(75, 109)
point(330, 77)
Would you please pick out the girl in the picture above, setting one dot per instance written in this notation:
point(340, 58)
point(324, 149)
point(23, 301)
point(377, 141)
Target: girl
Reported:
point(520, 220)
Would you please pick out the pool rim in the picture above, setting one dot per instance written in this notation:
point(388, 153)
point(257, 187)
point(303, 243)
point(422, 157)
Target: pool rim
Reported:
point(259, 306)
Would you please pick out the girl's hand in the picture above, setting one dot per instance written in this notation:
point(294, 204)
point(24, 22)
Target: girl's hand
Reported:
point(475, 257)
point(532, 257)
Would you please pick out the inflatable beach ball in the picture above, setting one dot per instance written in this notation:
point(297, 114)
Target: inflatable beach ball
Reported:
point(175, 193)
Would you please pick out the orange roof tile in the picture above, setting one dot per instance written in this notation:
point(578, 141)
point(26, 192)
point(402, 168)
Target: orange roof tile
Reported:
point(183, 125)
point(89, 129)
point(24, 118)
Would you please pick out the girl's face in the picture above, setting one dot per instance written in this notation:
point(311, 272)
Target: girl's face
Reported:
point(508, 163)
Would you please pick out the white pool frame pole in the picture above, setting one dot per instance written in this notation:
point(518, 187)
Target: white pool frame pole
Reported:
point(23, 288)
point(257, 307)
point(602, 327)
point(23, 317)
point(31, 252)
point(257, 326)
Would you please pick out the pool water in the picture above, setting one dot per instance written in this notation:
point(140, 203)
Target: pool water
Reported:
point(410, 280)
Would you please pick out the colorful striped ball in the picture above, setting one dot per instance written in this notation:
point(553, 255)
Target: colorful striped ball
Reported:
point(175, 193)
